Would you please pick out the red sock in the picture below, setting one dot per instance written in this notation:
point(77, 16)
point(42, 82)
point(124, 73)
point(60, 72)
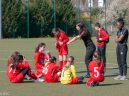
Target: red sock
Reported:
point(64, 62)
point(32, 75)
point(61, 65)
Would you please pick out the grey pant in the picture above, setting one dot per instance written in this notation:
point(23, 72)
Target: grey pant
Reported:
point(121, 52)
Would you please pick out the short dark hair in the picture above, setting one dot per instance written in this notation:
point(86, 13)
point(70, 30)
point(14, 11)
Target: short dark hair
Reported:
point(97, 24)
point(121, 21)
point(53, 59)
point(20, 57)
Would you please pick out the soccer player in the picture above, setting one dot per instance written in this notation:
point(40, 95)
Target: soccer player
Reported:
point(51, 71)
point(61, 45)
point(18, 68)
point(102, 38)
point(96, 69)
point(68, 75)
point(41, 55)
point(121, 49)
point(85, 35)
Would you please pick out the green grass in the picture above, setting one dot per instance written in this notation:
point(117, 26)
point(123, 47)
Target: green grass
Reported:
point(109, 87)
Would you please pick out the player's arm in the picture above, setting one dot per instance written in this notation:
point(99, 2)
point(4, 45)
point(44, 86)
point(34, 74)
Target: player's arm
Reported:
point(105, 36)
point(26, 65)
point(121, 37)
point(65, 40)
point(74, 39)
point(73, 71)
point(77, 37)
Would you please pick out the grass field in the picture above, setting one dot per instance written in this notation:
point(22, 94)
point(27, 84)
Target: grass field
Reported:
point(109, 87)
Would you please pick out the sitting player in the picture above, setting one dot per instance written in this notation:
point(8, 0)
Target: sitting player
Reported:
point(40, 57)
point(68, 75)
point(18, 68)
point(51, 71)
point(96, 68)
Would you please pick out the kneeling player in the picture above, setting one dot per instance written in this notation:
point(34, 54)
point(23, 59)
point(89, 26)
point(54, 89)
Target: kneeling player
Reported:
point(51, 71)
point(68, 75)
point(18, 68)
point(96, 68)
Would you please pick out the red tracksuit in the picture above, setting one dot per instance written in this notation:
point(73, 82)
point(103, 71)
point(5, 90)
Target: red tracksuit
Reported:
point(104, 36)
point(39, 60)
point(50, 72)
point(63, 49)
point(15, 75)
point(96, 72)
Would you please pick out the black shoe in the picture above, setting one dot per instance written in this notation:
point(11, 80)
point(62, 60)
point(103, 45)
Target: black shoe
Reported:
point(87, 75)
point(97, 84)
point(92, 84)
point(80, 79)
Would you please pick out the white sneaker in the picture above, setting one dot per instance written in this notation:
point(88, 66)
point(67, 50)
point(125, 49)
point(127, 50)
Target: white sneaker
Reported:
point(118, 77)
point(123, 78)
point(39, 80)
point(27, 77)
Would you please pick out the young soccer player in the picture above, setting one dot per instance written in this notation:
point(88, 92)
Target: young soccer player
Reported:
point(85, 35)
point(102, 38)
point(18, 68)
point(41, 55)
point(68, 75)
point(96, 69)
point(61, 45)
point(51, 71)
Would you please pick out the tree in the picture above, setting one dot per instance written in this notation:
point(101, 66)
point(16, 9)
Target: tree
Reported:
point(13, 18)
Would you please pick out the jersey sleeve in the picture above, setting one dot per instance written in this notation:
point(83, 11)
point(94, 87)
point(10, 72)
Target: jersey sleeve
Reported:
point(73, 71)
point(65, 38)
point(105, 35)
point(125, 32)
point(25, 65)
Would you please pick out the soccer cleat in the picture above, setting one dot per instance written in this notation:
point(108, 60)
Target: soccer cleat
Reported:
point(118, 77)
point(39, 80)
point(87, 75)
point(97, 84)
point(92, 84)
point(80, 79)
point(123, 78)
point(27, 77)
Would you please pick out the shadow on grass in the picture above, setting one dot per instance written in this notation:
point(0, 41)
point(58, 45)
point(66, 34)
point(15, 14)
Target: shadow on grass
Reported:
point(81, 71)
point(113, 75)
point(28, 81)
point(110, 84)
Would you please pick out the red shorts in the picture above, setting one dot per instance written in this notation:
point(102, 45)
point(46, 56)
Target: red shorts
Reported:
point(74, 81)
point(52, 79)
point(63, 50)
point(88, 83)
point(18, 79)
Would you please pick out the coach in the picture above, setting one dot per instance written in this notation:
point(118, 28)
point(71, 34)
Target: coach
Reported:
point(121, 49)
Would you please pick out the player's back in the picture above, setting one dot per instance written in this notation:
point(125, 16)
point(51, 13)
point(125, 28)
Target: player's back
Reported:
point(96, 69)
point(50, 70)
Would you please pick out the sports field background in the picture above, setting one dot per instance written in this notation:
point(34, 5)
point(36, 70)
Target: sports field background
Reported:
point(109, 87)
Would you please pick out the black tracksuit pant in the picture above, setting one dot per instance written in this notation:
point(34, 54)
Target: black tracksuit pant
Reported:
point(89, 55)
point(121, 52)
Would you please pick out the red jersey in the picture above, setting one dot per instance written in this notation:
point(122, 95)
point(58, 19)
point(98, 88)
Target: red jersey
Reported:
point(13, 72)
point(50, 72)
point(96, 70)
point(39, 59)
point(104, 36)
point(62, 38)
